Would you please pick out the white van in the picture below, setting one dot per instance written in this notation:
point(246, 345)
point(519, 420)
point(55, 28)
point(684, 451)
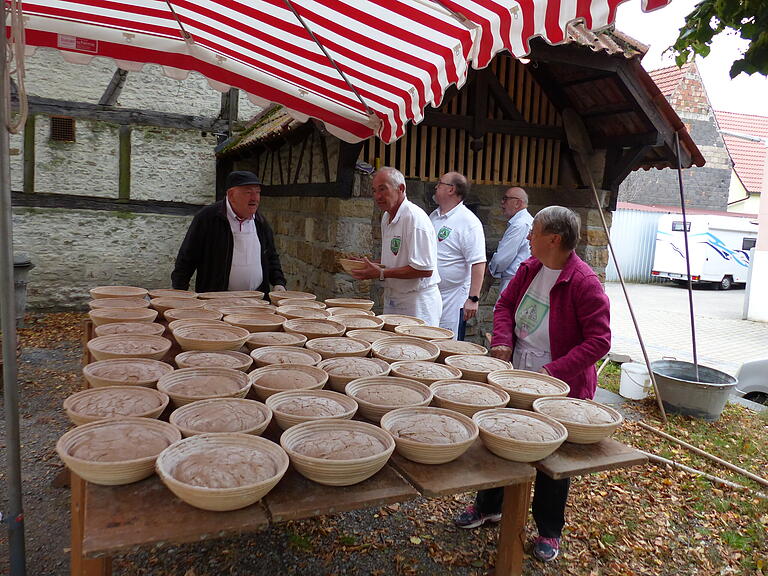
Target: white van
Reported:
point(719, 248)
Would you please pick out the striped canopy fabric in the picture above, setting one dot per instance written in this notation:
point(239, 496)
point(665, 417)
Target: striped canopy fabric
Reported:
point(362, 67)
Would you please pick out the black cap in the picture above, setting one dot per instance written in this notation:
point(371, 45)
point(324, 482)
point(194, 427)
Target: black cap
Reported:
point(241, 178)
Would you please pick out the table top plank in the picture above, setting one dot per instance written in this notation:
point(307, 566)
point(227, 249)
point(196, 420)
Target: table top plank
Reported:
point(123, 518)
point(577, 459)
point(296, 497)
point(476, 469)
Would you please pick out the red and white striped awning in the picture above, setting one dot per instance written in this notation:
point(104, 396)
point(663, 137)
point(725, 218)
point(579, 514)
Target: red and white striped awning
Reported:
point(362, 67)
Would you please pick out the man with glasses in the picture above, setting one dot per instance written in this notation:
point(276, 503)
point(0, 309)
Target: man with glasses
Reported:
point(513, 247)
point(460, 253)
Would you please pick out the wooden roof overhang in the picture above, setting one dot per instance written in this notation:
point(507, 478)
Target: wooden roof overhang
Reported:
point(624, 112)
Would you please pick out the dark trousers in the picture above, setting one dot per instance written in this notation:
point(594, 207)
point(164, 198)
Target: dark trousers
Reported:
point(548, 507)
point(462, 325)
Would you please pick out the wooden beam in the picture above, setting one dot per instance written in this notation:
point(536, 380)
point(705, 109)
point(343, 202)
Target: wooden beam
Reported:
point(124, 164)
point(123, 116)
point(513, 127)
point(29, 154)
point(501, 97)
point(77, 202)
point(609, 110)
point(619, 164)
point(115, 86)
point(345, 171)
point(574, 55)
point(647, 138)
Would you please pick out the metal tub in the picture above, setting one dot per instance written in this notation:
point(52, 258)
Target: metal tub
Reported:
point(681, 393)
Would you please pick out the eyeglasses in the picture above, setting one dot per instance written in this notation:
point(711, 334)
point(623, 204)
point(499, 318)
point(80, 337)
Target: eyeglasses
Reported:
point(439, 182)
point(505, 198)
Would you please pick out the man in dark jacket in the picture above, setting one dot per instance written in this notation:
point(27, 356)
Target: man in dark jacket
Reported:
point(230, 244)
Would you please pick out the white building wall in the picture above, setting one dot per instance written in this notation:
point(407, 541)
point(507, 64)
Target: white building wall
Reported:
point(85, 248)
point(87, 167)
point(17, 161)
point(172, 165)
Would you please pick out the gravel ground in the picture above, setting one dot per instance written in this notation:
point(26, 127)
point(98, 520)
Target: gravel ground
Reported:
point(416, 537)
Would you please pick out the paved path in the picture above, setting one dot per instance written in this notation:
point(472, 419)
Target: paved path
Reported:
point(724, 341)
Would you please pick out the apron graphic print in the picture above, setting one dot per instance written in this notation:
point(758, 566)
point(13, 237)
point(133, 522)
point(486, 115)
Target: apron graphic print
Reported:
point(394, 245)
point(530, 315)
point(443, 233)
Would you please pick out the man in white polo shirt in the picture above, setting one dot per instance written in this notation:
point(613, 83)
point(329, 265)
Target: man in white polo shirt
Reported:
point(460, 252)
point(408, 252)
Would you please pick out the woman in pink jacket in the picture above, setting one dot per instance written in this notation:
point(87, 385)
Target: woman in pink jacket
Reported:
point(554, 318)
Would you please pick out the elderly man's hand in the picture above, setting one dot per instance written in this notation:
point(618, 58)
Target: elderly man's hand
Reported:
point(370, 272)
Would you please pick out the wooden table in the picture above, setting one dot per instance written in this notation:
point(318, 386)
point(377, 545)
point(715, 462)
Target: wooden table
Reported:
point(119, 519)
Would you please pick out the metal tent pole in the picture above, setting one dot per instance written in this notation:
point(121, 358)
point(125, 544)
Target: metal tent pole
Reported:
point(8, 325)
point(687, 255)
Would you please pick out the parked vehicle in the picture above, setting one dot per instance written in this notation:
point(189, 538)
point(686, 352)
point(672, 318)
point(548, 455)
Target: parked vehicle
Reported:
point(719, 248)
point(753, 381)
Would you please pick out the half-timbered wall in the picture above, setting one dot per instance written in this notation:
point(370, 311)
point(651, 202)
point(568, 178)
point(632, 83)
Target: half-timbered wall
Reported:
point(428, 151)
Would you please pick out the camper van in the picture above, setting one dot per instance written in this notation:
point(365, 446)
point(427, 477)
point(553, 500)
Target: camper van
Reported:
point(719, 248)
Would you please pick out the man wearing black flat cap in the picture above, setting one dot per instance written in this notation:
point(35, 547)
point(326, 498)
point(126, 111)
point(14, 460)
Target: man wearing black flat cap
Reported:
point(230, 244)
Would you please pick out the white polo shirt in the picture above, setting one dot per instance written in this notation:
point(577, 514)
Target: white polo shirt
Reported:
point(460, 244)
point(408, 240)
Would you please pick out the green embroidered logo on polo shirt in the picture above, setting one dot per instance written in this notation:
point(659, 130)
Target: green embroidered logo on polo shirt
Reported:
point(394, 245)
point(443, 233)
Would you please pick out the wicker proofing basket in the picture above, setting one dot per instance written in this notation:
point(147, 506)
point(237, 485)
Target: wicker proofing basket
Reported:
point(397, 422)
point(121, 303)
point(135, 431)
point(231, 294)
point(262, 339)
point(314, 328)
point(369, 335)
point(222, 415)
point(168, 303)
point(147, 328)
point(188, 313)
point(578, 432)
point(341, 311)
point(513, 448)
point(290, 312)
point(338, 346)
point(430, 333)
point(206, 382)
point(337, 472)
point(269, 355)
point(203, 337)
point(114, 401)
point(361, 303)
point(171, 293)
point(424, 372)
point(117, 292)
point(229, 448)
point(416, 394)
point(343, 406)
point(125, 372)
point(277, 378)
point(277, 296)
point(106, 315)
point(175, 324)
point(477, 368)
point(392, 320)
point(129, 346)
point(513, 381)
point(218, 358)
point(453, 347)
point(359, 322)
point(339, 369)
point(464, 403)
point(257, 322)
point(399, 348)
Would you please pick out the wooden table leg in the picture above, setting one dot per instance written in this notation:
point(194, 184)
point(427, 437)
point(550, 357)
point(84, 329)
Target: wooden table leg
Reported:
point(80, 565)
point(509, 555)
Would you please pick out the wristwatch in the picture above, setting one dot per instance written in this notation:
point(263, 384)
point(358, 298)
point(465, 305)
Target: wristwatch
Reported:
point(381, 274)
point(473, 299)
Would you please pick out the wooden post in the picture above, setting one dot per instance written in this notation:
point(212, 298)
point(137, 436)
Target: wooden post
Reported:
point(514, 513)
point(124, 178)
point(29, 155)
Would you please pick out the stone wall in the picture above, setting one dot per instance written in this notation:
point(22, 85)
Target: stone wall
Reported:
point(705, 188)
point(80, 249)
point(313, 233)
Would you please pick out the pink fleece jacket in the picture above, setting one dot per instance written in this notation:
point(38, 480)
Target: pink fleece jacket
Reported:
point(579, 322)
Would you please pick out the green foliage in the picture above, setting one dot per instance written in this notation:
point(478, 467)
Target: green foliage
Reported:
point(749, 18)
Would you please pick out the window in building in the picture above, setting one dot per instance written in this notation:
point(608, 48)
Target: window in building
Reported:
point(62, 129)
point(748, 243)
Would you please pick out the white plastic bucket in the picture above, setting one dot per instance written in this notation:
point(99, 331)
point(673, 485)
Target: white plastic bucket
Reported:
point(635, 382)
